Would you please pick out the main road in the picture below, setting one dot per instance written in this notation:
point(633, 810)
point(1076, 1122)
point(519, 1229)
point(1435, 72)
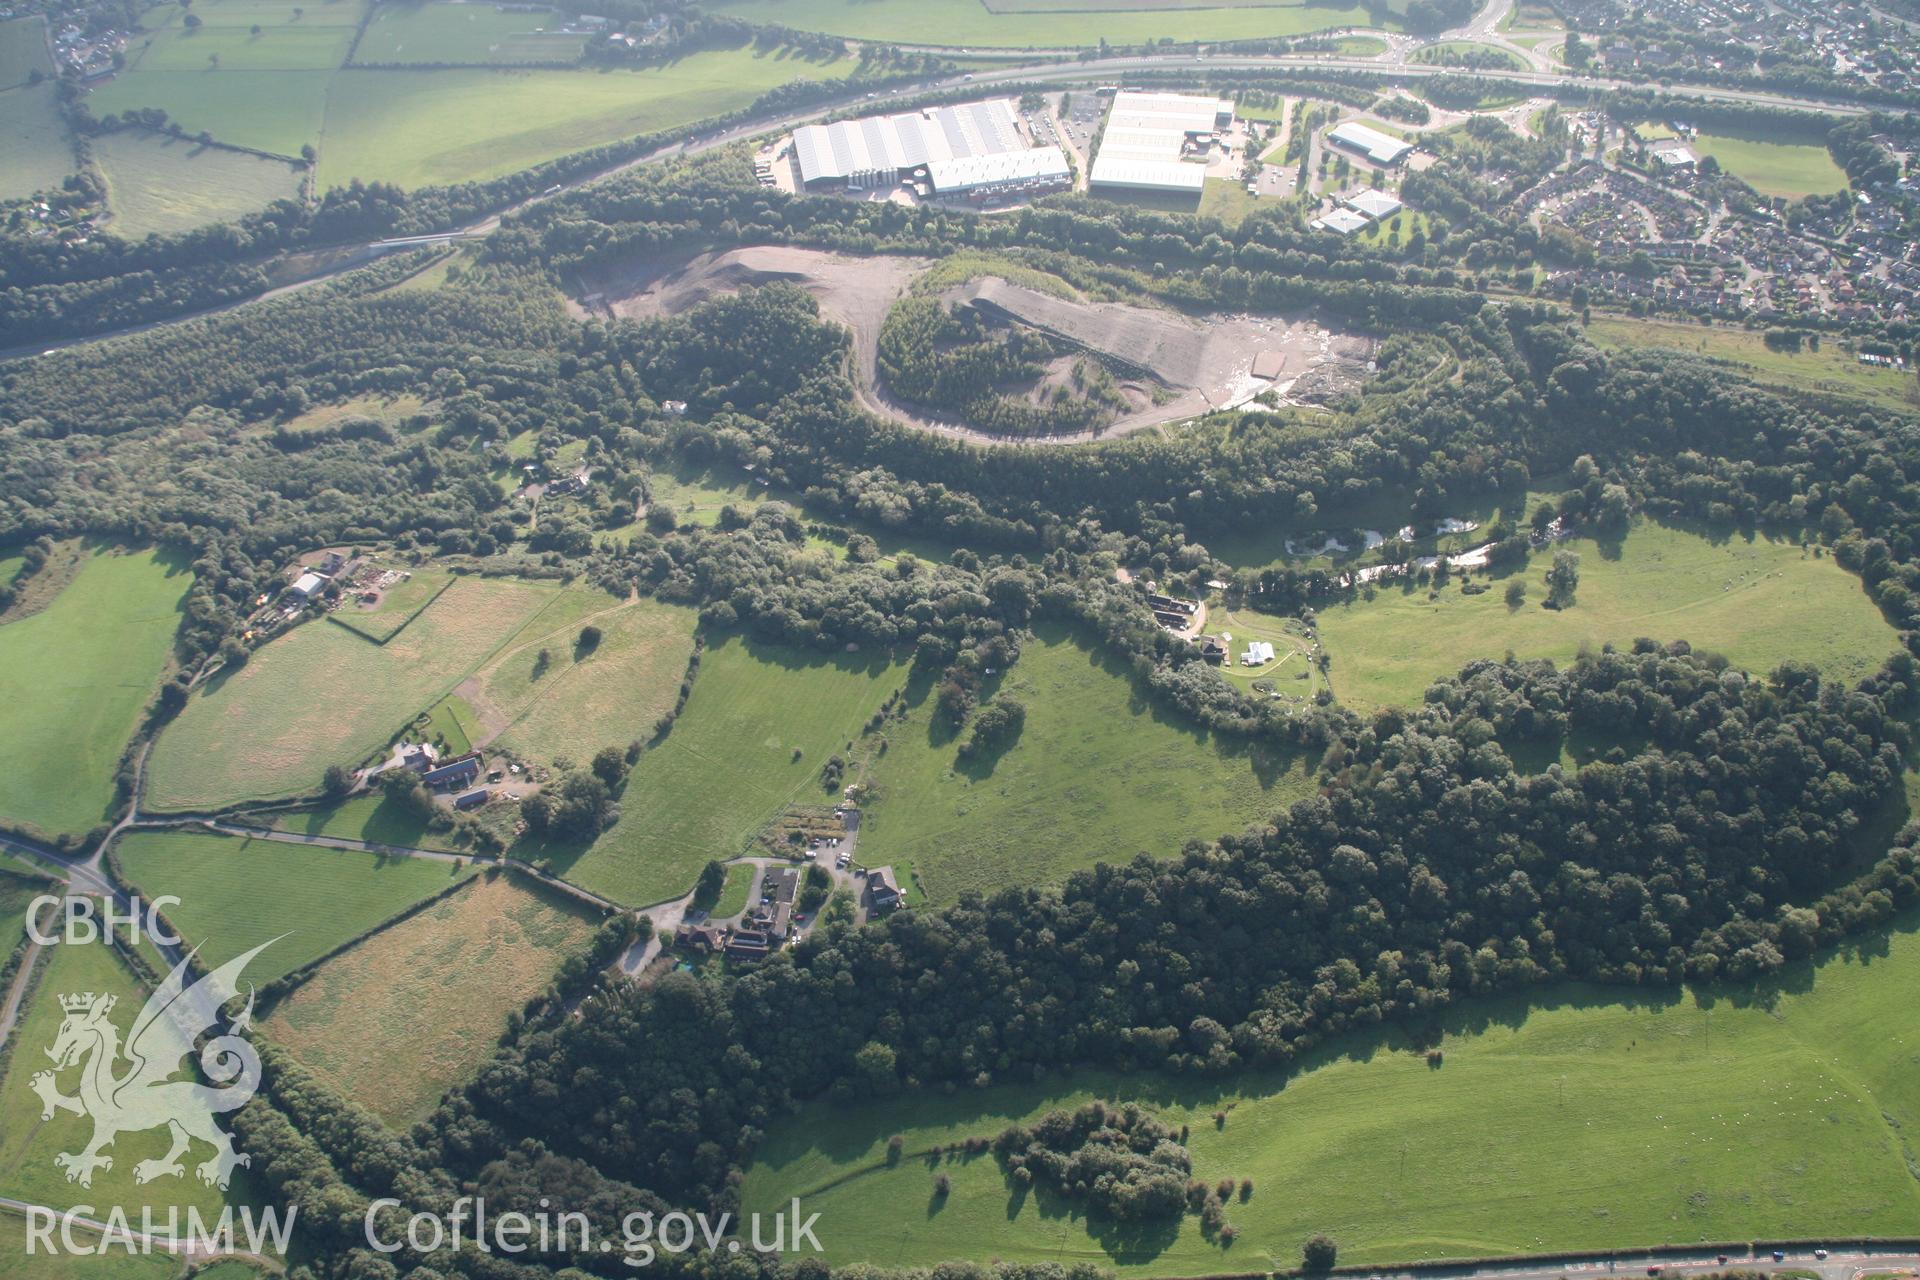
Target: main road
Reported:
point(1060, 67)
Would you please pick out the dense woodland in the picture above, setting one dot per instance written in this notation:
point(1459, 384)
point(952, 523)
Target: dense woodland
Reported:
point(1721, 834)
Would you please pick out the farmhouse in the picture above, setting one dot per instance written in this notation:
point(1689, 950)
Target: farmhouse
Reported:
point(1258, 654)
point(461, 771)
point(1159, 141)
point(1213, 649)
point(1379, 148)
point(417, 756)
point(883, 890)
point(879, 151)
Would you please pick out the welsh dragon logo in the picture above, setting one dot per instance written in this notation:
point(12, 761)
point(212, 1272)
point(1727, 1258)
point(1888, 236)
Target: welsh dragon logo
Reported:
point(130, 1087)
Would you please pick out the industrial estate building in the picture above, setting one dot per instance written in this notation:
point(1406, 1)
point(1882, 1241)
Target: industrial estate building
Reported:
point(973, 150)
point(1159, 141)
point(1380, 148)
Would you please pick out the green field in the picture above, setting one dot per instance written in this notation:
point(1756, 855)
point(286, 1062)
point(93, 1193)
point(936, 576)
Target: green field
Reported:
point(364, 817)
point(235, 894)
point(158, 184)
point(1097, 775)
point(29, 1144)
point(422, 127)
point(23, 51)
point(36, 150)
point(315, 40)
point(1831, 369)
point(1578, 1121)
point(275, 111)
point(412, 33)
point(323, 695)
point(1227, 200)
point(760, 725)
point(576, 702)
point(398, 605)
point(733, 894)
point(74, 679)
point(696, 496)
point(115, 1265)
point(1759, 601)
point(414, 1010)
point(1789, 169)
point(1054, 24)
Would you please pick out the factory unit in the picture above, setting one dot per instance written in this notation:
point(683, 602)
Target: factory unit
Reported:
point(1159, 141)
point(881, 151)
point(1371, 144)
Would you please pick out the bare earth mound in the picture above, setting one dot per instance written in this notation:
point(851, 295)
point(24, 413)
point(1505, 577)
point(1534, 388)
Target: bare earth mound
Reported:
point(1183, 365)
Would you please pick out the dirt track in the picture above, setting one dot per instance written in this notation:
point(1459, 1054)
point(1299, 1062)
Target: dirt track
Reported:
point(1199, 365)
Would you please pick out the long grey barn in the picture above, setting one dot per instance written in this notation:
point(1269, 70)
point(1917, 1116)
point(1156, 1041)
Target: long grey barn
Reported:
point(880, 150)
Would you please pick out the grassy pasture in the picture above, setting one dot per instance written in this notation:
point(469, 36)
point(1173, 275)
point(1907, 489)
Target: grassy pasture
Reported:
point(23, 51)
point(759, 726)
point(74, 678)
point(1789, 169)
point(236, 893)
point(28, 1144)
point(446, 33)
point(422, 127)
point(1831, 369)
point(1097, 775)
point(695, 496)
point(1016, 24)
point(1584, 1119)
point(164, 184)
point(579, 701)
point(323, 695)
point(363, 817)
point(1754, 599)
point(397, 606)
point(36, 151)
point(1227, 200)
point(360, 1022)
point(113, 1265)
point(276, 111)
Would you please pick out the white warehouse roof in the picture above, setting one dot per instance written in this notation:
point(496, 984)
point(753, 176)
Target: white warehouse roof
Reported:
point(905, 141)
point(1039, 164)
point(1180, 113)
point(1343, 221)
point(1377, 205)
point(1147, 135)
point(1376, 146)
point(1147, 175)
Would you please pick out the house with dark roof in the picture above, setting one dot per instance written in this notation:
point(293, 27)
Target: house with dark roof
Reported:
point(748, 944)
point(883, 890)
point(461, 771)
